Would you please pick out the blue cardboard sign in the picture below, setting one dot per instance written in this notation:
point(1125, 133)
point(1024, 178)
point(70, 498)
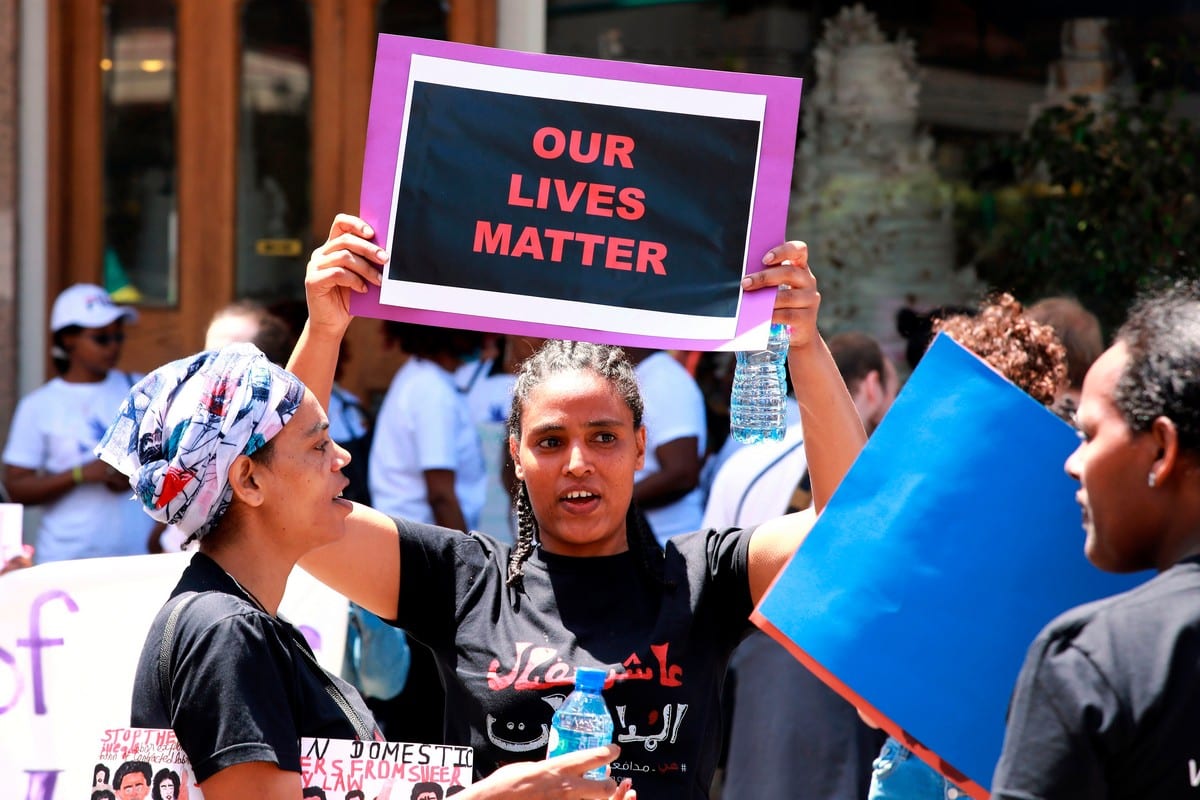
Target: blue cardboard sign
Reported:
point(952, 541)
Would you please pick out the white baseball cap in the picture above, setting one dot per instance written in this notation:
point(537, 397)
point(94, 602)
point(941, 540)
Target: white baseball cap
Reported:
point(87, 306)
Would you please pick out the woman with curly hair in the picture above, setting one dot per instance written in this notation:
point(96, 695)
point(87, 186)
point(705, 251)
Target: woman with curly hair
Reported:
point(1029, 354)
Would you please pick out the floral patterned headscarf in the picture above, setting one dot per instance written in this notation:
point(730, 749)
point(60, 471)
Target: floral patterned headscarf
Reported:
point(182, 426)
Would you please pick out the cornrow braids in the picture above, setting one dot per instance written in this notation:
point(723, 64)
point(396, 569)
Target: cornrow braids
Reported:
point(526, 535)
point(562, 355)
point(610, 363)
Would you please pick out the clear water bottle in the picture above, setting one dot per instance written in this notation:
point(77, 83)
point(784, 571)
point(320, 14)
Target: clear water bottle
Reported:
point(758, 402)
point(583, 721)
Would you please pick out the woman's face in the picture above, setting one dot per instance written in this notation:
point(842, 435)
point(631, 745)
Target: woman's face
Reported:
point(577, 455)
point(166, 789)
point(94, 351)
point(302, 480)
point(1112, 464)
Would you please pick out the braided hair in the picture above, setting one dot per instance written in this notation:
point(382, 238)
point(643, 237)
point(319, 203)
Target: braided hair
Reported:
point(611, 364)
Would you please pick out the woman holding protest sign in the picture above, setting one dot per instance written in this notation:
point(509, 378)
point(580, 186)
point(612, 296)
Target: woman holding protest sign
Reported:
point(235, 451)
point(586, 584)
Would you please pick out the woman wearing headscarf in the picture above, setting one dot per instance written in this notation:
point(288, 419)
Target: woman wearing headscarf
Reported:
point(235, 451)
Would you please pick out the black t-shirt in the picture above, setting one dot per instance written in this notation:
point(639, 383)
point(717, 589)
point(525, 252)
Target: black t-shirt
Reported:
point(508, 659)
point(244, 686)
point(1107, 705)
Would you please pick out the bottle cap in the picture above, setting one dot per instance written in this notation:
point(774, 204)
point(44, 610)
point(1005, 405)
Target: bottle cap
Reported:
point(590, 679)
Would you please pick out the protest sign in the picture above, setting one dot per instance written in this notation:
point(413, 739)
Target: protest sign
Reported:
point(70, 636)
point(331, 769)
point(952, 541)
point(575, 198)
point(11, 525)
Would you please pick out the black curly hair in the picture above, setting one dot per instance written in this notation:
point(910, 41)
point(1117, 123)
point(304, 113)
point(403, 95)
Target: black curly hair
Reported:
point(1162, 376)
point(611, 364)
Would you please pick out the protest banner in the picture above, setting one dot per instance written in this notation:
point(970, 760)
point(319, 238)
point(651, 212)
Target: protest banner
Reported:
point(331, 769)
point(70, 636)
point(952, 541)
point(574, 198)
point(11, 526)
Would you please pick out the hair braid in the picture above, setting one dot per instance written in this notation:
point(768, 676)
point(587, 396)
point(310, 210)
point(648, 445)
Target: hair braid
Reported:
point(526, 530)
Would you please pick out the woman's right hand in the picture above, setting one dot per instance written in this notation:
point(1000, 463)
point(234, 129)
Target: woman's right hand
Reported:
point(347, 262)
point(558, 778)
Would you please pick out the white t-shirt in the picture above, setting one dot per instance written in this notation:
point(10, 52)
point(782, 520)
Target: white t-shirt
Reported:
point(424, 424)
point(346, 420)
point(756, 482)
point(55, 428)
point(674, 409)
point(489, 398)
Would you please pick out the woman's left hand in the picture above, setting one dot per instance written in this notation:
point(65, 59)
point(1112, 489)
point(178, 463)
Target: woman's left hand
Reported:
point(797, 303)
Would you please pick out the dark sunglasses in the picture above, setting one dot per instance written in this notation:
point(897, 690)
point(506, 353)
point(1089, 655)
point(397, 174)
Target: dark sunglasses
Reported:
point(105, 339)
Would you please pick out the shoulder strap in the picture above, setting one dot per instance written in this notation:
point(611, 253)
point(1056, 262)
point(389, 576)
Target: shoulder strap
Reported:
point(166, 645)
point(362, 730)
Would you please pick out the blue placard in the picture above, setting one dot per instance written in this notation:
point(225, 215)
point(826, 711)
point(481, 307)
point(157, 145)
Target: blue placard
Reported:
point(952, 541)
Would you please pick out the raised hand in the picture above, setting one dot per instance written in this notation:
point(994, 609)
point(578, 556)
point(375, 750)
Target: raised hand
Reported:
point(797, 300)
point(347, 262)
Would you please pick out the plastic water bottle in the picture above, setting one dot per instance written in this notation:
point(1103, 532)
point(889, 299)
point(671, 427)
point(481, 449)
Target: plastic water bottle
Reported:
point(583, 721)
point(757, 404)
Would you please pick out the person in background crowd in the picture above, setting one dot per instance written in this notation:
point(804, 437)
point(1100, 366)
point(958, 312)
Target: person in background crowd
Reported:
point(240, 686)
point(1107, 703)
point(426, 459)
point(48, 461)
point(587, 584)
point(250, 321)
point(1030, 355)
point(1079, 331)
point(487, 385)
point(770, 756)
point(667, 487)
point(917, 328)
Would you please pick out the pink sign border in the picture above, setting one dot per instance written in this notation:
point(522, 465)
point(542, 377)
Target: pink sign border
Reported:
point(768, 215)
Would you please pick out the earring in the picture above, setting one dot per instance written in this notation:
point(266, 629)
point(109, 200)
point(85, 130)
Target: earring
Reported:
point(1152, 480)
